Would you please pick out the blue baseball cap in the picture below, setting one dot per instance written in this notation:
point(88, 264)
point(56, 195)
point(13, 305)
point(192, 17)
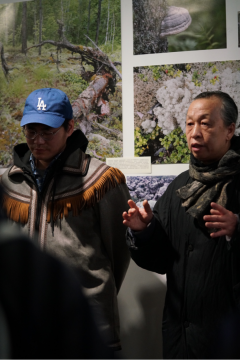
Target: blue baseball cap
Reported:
point(47, 106)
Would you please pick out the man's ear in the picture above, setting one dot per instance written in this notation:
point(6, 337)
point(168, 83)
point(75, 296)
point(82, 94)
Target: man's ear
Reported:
point(231, 131)
point(70, 127)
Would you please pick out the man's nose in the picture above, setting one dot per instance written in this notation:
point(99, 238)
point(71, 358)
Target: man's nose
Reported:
point(196, 131)
point(38, 139)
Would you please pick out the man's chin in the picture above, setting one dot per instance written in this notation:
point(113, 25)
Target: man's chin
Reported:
point(39, 153)
point(199, 156)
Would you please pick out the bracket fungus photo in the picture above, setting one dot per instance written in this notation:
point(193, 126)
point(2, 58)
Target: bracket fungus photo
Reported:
point(176, 20)
point(161, 26)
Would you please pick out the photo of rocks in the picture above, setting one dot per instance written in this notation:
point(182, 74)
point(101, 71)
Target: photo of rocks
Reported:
point(149, 188)
point(161, 26)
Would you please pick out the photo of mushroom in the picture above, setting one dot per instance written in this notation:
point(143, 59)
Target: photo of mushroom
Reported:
point(161, 26)
point(162, 95)
point(149, 188)
point(71, 45)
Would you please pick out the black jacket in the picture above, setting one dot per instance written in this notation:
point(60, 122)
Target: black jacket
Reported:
point(203, 278)
point(46, 314)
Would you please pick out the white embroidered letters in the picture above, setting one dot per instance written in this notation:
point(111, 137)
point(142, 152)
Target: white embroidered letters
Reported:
point(41, 104)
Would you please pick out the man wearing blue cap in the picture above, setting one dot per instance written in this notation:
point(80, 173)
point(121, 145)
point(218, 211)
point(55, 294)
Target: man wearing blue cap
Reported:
point(70, 203)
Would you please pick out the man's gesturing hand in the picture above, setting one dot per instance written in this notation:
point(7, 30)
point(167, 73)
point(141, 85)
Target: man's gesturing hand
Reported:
point(221, 219)
point(137, 218)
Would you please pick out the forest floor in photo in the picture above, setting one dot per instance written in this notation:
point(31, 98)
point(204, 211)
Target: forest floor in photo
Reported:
point(67, 73)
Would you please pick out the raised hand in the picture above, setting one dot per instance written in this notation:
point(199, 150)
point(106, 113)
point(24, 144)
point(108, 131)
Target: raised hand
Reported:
point(137, 218)
point(221, 219)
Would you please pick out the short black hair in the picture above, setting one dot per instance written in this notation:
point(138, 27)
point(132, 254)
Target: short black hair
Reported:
point(229, 108)
point(65, 124)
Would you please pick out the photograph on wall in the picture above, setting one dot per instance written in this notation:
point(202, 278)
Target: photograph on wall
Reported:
point(149, 188)
point(71, 45)
point(239, 29)
point(161, 26)
point(162, 95)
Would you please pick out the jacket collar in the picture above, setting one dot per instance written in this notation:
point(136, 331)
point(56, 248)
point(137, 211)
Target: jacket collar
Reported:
point(72, 160)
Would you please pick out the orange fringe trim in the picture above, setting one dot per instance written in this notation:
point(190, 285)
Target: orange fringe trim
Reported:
point(15, 210)
point(110, 179)
point(19, 211)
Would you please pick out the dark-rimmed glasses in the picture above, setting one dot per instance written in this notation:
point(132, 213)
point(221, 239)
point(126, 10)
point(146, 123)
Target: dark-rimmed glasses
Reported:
point(45, 135)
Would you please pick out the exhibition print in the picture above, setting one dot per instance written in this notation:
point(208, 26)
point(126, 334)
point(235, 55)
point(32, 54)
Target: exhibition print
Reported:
point(239, 29)
point(149, 188)
point(178, 25)
point(71, 45)
point(162, 95)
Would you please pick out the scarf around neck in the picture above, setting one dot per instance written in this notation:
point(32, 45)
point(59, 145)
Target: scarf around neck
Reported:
point(210, 183)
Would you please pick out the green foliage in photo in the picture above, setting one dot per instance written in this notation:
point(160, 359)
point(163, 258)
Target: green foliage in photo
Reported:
point(141, 139)
point(177, 142)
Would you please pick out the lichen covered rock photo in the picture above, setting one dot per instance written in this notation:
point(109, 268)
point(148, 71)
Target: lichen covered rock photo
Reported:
point(162, 95)
point(149, 188)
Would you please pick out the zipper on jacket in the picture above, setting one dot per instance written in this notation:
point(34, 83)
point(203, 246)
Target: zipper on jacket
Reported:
point(29, 175)
point(38, 211)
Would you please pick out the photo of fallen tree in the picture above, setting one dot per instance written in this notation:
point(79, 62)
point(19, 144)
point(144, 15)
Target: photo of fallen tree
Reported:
point(72, 45)
point(161, 26)
point(162, 95)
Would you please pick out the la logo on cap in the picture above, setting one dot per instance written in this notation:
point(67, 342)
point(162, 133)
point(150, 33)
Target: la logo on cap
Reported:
point(41, 104)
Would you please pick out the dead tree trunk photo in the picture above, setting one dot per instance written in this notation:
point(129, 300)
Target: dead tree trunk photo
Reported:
point(105, 73)
point(24, 27)
point(98, 20)
point(40, 26)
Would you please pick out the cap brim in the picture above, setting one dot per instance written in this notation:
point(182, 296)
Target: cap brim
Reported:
point(51, 120)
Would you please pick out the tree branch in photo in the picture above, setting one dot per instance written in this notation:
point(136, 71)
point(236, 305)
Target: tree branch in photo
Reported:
point(94, 57)
point(5, 67)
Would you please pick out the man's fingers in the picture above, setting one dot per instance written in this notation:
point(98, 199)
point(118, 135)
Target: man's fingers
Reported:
point(126, 222)
point(132, 204)
point(126, 216)
point(215, 212)
point(147, 207)
point(212, 218)
point(218, 207)
point(215, 225)
point(221, 232)
point(129, 214)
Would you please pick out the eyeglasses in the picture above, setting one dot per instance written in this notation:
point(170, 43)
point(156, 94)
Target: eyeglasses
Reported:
point(45, 135)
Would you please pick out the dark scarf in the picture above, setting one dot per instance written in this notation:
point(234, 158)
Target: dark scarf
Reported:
point(210, 182)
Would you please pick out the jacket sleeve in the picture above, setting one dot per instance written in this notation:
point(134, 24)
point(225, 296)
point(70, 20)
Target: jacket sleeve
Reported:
point(154, 250)
point(109, 211)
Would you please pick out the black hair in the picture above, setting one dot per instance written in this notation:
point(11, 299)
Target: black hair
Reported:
point(229, 108)
point(65, 124)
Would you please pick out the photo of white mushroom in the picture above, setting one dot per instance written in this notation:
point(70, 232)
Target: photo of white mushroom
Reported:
point(178, 25)
point(162, 95)
point(149, 188)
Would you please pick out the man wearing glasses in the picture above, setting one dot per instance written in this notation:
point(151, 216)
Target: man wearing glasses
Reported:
point(69, 203)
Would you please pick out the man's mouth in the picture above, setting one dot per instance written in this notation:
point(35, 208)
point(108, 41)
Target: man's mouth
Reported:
point(196, 147)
